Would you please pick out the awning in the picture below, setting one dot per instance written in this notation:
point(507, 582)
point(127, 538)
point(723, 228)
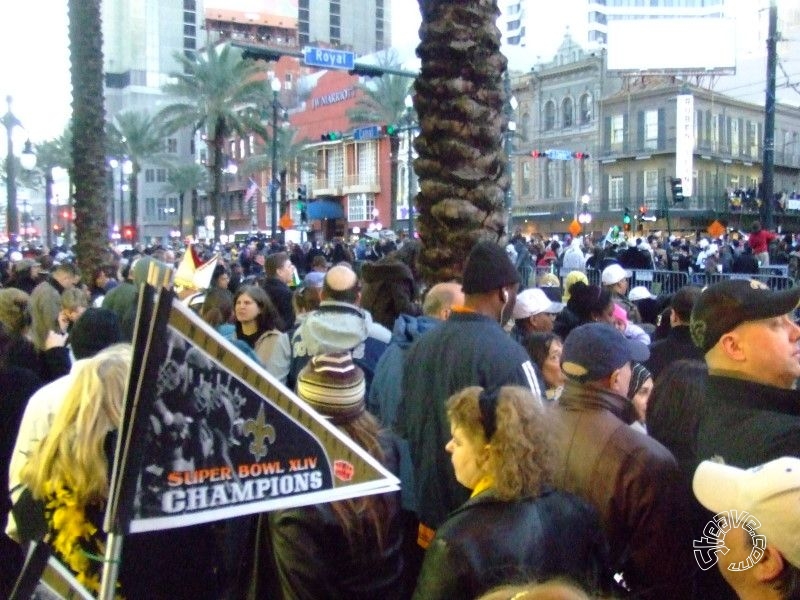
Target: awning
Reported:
point(324, 209)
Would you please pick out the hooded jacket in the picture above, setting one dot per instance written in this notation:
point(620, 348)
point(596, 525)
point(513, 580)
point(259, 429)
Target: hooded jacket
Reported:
point(386, 390)
point(339, 327)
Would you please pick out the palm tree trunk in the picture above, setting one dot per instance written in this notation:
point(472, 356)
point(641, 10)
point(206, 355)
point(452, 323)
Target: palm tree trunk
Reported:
point(461, 164)
point(88, 126)
point(216, 147)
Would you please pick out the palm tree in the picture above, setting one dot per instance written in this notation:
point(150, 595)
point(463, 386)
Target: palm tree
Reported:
point(88, 142)
point(140, 138)
point(182, 179)
point(51, 154)
point(221, 94)
point(382, 100)
point(461, 163)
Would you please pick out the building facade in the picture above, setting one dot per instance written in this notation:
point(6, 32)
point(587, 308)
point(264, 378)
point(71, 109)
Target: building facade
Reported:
point(601, 12)
point(554, 166)
point(626, 131)
point(140, 38)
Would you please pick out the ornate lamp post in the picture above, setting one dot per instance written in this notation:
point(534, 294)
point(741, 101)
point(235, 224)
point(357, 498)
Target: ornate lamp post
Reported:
point(27, 160)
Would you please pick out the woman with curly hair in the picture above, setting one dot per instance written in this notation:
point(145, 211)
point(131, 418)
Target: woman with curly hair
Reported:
point(515, 526)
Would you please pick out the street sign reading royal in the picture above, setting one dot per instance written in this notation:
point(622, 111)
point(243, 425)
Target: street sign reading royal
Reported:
point(326, 58)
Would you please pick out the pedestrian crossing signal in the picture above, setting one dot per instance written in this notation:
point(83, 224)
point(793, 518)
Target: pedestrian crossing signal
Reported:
point(391, 130)
point(331, 136)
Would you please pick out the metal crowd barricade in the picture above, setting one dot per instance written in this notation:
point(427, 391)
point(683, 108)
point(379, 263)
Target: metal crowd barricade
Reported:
point(665, 283)
point(774, 282)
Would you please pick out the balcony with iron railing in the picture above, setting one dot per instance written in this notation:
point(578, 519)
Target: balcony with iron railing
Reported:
point(346, 184)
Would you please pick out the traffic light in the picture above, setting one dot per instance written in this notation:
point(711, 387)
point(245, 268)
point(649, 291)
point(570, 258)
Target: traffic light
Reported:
point(642, 211)
point(391, 129)
point(626, 220)
point(677, 189)
point(128, 232)
point(580, 155)
point(367, 70)
point(302, 198)
point(537, 154)
point(331, 136)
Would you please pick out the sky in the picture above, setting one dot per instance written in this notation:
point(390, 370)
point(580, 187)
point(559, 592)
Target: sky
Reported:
point(35, 65)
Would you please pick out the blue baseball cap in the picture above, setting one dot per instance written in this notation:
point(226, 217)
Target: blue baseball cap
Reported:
point(595, 350)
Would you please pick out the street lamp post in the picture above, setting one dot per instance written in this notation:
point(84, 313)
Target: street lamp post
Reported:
point(27, 160)
point(275, 84)
point(409, 163)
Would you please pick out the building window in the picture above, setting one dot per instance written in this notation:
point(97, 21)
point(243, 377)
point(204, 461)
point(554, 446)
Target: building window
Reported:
point(526, 179)
point(617, 134)
point(616, 192)
point(567, 112)
point(172, 145)
point(651, 130)
point(149, 176)
point(735, 137)
point(550, 179)
point(650, 191)
point(752, 139)
point(549, 115)
point(161, 175)
point(586, 109)
point(360, 207)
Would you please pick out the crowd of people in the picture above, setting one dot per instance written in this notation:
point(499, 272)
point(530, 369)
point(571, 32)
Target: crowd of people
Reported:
point(552, 435)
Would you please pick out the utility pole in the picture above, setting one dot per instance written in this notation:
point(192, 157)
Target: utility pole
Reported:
point(767, 177)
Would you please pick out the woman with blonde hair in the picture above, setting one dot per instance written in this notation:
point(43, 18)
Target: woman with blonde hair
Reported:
point(501, 450)
point(69, 471)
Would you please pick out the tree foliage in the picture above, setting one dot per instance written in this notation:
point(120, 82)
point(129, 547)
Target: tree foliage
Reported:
point(182, 179)
point(139, 137)
point(220, 94)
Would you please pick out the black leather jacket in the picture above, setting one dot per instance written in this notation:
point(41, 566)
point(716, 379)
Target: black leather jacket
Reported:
point(487, 542)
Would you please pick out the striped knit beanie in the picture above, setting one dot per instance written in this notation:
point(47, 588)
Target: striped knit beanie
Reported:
point(333, 386)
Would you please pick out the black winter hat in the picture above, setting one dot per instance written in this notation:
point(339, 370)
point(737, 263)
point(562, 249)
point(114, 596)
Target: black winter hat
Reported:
point(95, 330)
point(488, 268)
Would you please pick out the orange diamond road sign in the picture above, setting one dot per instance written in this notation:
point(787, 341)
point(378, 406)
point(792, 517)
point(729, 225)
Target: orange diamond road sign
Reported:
point(716, 229)
point(286, 222)
point(574, 227)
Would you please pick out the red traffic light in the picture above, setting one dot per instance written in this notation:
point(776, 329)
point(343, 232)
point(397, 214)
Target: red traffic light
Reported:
point(580, 155)
point(128, 232)
point(537, 153)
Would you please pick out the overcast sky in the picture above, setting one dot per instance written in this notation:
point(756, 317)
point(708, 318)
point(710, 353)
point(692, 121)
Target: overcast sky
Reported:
point(35, 64)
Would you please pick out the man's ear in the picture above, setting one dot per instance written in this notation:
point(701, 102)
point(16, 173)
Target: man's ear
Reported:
point(729, 343)
point(770, 566)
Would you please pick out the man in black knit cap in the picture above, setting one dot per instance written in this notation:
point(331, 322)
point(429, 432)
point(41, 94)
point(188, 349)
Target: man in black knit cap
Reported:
point(469, 348)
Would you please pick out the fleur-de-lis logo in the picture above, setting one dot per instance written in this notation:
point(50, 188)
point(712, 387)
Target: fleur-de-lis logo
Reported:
point(261, 432)
point(698, 331)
